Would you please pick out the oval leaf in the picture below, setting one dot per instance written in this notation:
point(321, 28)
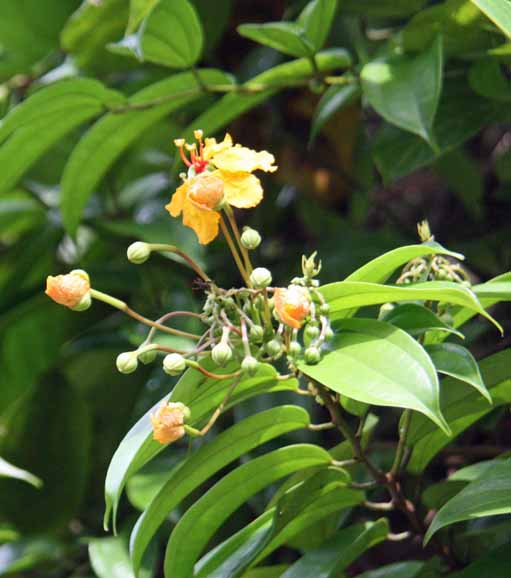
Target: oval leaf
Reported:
point(358, 367)
point(316, 20)
point(286, 37)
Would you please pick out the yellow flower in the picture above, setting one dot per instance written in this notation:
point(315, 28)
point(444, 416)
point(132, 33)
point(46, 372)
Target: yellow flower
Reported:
point(70, 290)
point(217, 173)
point(168, 422)
point(292, 305)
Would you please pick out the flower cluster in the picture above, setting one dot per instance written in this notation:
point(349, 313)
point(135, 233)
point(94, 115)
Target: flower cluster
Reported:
point(243, 327)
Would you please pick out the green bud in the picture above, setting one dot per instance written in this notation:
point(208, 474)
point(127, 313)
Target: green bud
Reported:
point(329, 334)
point(250, 238)
point(138, 252)
point(385, 309)
point(127, 362)
point(274, 347)
point(324, 309)
point(311, 332)
point(260, 278)
point(147, 357)
point(250, 365)
point(84, 304)
point(256, 333)
point(294, 349)
point(174, 364)
point(221, 354)
point(312, 355)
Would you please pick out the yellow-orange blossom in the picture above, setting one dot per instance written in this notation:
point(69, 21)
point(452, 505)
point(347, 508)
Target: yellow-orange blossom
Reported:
point(68, 289)
point(292, 305)
point(218, 173)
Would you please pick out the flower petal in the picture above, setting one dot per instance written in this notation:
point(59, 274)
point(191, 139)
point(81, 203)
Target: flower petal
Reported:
point(204, 222)
point(241, 190)
point(243, 159)
point(212, 148)
point(178, 199)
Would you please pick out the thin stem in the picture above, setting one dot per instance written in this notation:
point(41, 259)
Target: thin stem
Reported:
point(218, 376)
point(401, 446)
point(234, 252)
point(321, 426)
point(237, 236)
point(168, 316)
point(173, 249)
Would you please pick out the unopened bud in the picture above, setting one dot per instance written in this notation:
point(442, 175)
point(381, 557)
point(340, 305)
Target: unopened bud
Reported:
point(174, 364)
point(84, 303)
point(256, 333)
point(221, 354)
point(250, 238)
point(312, 355)
point(385, 309)
point(311, 332)
point(294, 349)
point(309, 266)
point(250, 365)
point(324, 309)
point(138, 252)
point(424, 231)
point(329, 334)
point(127, 362)
point(260, 278)
point(147, 357)
point(274, 347)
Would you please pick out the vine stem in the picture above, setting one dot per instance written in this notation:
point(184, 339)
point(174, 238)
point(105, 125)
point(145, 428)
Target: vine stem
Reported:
point(173, 249)
point(234, 252)
point(237, 236)
point(404, 428)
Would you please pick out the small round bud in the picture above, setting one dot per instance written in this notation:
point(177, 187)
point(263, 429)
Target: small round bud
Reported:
point(198, 134)
point(274, 347)
point(324, 309)
point(84, 303)
point(147, 357)
point(256, 333)
point(385, 309)
point(138, 252)
point(312, 355)
point(174, 364)
point(250, 365)
point(221, 354)
point(250, 238)
point(329, 334)
point(127, 362)
point(260, 278)
point(294, 348)
point(311, 332)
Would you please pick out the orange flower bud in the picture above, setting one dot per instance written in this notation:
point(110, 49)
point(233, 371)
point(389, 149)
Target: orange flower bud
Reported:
point(206, 191)
point(168, 422)
point(292, 305)
point(70, 289)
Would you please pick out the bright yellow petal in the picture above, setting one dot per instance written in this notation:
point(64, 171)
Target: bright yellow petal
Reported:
point(178, 199)
point(241, 190)
point(204, 222)
point(212, 148)
point(242, 159)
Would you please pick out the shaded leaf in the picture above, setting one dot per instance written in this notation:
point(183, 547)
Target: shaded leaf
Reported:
point(7, 470)
point(399, 570)
point(316, 20)
point(416, 319)
point(498, 11)
point(286, 37)
point(487, 79)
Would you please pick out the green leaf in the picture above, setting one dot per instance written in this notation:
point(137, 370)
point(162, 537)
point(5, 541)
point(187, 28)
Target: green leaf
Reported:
point(339, 552)
point(381, 268)
point(487, 79)
point(286, 37)
point(106, 140)
point(202, 396)
point(457, 361)
point(345, 296)
point(498, 11)
point(461, 407)
point(416, 319)
point(268, 571)
point(334, 100)
point(495, 563)
point(406, 91)
point(109, 559)
point(34, 126)
point(139, 9)
point(208, 460)
point(363, 348)
point(316, 19)
point(172, 34)
point(201, 521)
point(486, 496)
point(7, 470)
point(399, 570)
point(383, 8)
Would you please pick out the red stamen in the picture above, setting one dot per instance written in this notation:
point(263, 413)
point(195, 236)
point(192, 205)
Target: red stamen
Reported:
point(183, 156)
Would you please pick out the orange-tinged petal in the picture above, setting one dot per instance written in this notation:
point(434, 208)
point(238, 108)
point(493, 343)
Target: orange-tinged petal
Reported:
point(178, 199)
point(168, 422)
point(292, 305)
point(206, 190)
point(242, 159)
point(203, 221)
point(212, 148)
point(241, 190)
point(68, 289)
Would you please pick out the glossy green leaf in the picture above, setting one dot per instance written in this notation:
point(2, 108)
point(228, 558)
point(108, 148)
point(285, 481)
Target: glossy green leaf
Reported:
point(486, 496)
point(334, 100)
point(201, 521)
point(378, 270)
point(109, 559)
point(436, 495)
point(495, 563)
point(487, 79)
point(286, 37)
point(498, 11)
point(139, 9)
point(316, 20)
point(199, 393)
point(339, 552)
point(398, 570)
point(267, 571)
point(405, 91)
point(363, 348)
point(345, 296)
point(108, 138)
point(461, 407)
point(417, 319)
point(472, 472)
point(457, 361)
point(208, 460)
point(7, 470)
point(172, 34)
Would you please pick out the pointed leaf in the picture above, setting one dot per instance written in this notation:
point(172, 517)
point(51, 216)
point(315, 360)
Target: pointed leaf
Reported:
point(201, 521)
point(286, 37)
point(7, 470)
point(406, 91)
point(416, 319)
point(486, 496)
point(208, 460)
point(109, 559)
point(316, 20)
point(363, 349)
point(498, 11)
point(139, 9)
point(457, 361)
